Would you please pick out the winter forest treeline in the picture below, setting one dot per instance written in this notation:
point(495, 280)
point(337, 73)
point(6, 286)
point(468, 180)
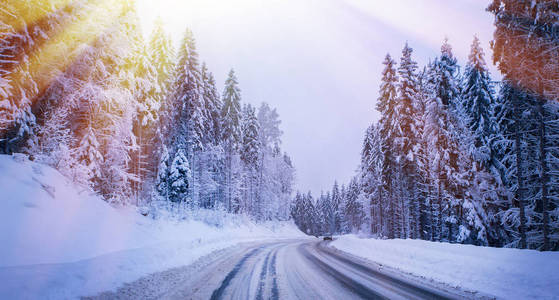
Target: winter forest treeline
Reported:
point(456, 156)
point(133, 119)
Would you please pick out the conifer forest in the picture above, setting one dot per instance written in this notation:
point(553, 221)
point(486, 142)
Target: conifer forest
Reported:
point(279, 149)
point(134, 119)
point(457, 156)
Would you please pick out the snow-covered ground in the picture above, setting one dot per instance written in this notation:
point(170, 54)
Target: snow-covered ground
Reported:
point(503, 273)
point(60, 241)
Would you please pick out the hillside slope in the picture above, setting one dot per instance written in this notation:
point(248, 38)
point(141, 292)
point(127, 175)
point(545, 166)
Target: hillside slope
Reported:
point(59, 240)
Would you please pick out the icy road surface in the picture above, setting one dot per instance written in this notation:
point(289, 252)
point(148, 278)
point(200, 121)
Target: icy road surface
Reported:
point(287, 269)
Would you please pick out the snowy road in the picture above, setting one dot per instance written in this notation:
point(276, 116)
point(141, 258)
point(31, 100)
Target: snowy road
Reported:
point(294, 269)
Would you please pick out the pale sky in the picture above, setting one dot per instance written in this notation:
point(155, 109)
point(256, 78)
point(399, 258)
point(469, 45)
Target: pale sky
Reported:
point(319, 62)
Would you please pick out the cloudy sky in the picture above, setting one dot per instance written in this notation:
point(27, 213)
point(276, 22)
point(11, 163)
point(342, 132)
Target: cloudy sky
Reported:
point(319, 61)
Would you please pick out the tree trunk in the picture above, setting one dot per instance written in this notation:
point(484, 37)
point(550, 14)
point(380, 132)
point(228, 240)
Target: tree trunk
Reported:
point(520, 179)
point(440, 204)
point(381, 221)
point(431, 213)
point(391, 214)
point(544, 177)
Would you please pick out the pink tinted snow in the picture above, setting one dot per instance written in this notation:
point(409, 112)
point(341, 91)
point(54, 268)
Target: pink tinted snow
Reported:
point(504, 273)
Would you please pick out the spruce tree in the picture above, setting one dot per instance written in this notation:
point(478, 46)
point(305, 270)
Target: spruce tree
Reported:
point(88, 153)
point(213, 105)
point(371, 178)
point(478, 95)
point(249, 154)
point(424, 181)
point(186, 106)
point(405, 136)
point(179, 178)
point(19, 87)
point(231, 134)
point(524, 49)
point(386, 106)
point(161, 58)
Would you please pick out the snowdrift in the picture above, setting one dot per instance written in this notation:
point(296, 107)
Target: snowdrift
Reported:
point(61, 241)
point(504, 273)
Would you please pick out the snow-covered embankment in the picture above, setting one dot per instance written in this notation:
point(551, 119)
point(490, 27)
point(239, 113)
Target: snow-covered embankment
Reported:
point(504, 273)
point(60, 241)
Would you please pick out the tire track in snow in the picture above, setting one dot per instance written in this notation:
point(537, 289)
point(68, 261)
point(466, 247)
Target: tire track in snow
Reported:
point(355, 286)
point(218, 293)
point(263, 277)
point(268, 276)
point(275, 291)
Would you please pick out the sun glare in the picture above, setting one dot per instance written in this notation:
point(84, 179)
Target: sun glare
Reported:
point(177, 15)
point(204, 8)
point(47, 58)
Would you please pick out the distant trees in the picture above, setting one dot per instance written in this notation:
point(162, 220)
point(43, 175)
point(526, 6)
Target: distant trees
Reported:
point(129, 119)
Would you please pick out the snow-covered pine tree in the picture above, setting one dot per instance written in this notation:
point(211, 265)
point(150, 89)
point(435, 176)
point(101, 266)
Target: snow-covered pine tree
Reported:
point(145, 126)
point(286, 178)
point(313, 215)
point(551, 119)
point(478, 161)
point(187, 111)
point(296, 211)
point(19, 85)
point(366, 168)
point(231, 135)
point(344, 229)
point(371, 178)
point(404, 138)
point(249, 153)
point(162, 184)
point(88, 98)
point(118, 104)
point(478, 191)
point(353, 208)
point(524, 44)
point(524, 47)
point(7, 62)
point(326, 214)
point(186, 106)
point(421, 153)
point(436, 117)
point(509, 146)
point(89, 155)
point(305, 214)
point(386, 106)
point(209, 169)
point(213, 105)
point(268, 119)
point(521, 124)
point(442, 130)
point(336, 202)
point(161, 58)
point(179, 179)
point(478, 95)
point(275, 173)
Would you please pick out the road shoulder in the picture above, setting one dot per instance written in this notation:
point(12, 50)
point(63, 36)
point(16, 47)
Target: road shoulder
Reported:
point(409, 277)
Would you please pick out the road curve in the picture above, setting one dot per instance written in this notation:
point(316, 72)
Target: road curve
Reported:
point(286, 269)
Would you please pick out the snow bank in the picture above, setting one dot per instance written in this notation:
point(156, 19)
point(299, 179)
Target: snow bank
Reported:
point(60, 241)
point(504, 273)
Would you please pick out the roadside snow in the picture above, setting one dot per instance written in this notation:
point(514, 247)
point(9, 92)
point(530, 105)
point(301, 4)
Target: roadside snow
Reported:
point(60, 241)
point(504, 273)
